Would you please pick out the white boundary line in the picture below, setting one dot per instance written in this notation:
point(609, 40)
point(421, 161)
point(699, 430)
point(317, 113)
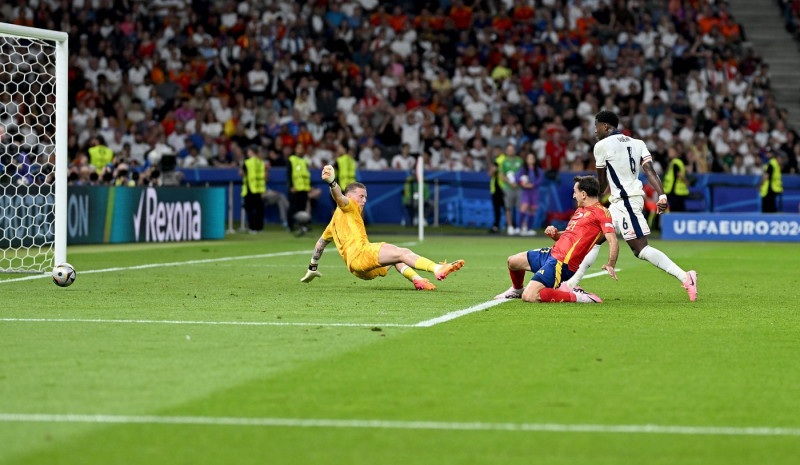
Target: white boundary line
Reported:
point(402, 425)
point(188, 262)
point(458, 313)
point(219, 323)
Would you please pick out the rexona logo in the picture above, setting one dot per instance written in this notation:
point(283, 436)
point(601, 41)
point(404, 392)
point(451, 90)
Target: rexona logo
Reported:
point(166, 221)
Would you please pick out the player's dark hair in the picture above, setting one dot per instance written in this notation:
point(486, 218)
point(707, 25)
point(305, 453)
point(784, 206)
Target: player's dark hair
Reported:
point(608, 117)
point(588, 184)
point(353, 186)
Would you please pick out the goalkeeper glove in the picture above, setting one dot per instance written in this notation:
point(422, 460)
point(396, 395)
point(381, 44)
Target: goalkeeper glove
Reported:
point(311, 274)
point(328, 174)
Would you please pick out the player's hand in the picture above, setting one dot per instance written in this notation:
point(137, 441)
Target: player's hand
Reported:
point(551, 232)
point(661, 206)
point(611, 271)
point(328, 174)
point(310, 275)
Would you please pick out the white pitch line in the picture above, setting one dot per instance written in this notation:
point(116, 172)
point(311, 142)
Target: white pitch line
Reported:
point(458, 313)
point(403, 425)
point(479, 307)
point(180, 322)
point(188, 262)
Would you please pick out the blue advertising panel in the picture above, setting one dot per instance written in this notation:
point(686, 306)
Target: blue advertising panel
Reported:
point(99, 214)
point(730, 227)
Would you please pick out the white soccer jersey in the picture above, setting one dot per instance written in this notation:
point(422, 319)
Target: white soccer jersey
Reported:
point(622, 157)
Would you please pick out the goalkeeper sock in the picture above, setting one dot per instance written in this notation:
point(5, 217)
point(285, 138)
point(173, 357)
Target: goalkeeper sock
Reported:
point(588, 260)
point(660, 260)
point(409, 273)
point(424, 264)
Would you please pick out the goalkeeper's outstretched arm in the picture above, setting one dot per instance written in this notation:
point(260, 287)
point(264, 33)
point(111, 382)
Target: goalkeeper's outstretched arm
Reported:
point(312, 267)
point(329, 176)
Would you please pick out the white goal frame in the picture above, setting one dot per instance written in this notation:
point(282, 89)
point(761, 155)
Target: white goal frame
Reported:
point(61, 43)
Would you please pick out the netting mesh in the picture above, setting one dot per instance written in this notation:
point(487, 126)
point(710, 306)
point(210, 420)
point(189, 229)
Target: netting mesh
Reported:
point(27, 154)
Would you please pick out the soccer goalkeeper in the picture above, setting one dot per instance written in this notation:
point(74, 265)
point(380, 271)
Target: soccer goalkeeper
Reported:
point(367, 260)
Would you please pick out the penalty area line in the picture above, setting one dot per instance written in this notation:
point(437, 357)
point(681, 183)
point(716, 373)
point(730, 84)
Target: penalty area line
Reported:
point(482, 306)
point(211, 323)
point(402, 425)
point(188, 262)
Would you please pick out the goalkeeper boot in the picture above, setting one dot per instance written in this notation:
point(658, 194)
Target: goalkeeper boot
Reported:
point(423, 284)
point(691, 284)
point(447, 268)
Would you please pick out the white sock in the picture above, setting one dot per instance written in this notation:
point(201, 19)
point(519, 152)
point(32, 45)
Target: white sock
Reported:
point(657, 258)
point(585, 264)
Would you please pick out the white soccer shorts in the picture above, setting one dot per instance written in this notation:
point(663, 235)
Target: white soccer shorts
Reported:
point(626, 214)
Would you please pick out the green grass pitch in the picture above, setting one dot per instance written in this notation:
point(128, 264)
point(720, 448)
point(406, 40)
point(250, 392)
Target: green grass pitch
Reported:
point(337, 372)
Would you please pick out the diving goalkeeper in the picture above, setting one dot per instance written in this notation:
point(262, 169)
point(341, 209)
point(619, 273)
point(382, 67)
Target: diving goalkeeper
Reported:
point(367, 260)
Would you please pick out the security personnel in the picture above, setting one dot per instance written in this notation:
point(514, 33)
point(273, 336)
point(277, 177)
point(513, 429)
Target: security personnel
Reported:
point(99, 154)
point(675, 184)
point(771, 183)
point(299, 179)
point(254, 185)
point(345, 167)
point(496, 188)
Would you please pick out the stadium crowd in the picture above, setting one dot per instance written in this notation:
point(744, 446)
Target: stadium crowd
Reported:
point(453, 81)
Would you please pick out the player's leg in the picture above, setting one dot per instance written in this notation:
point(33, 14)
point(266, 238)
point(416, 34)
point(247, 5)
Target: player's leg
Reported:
point(588, 261)
point(390, 254)
point(531, 292)
point(551, 275)
point(420, 283)
point(634, 229)
point(517, 264)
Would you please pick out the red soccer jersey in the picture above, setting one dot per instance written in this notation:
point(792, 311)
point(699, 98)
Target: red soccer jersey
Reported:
point(586, 227)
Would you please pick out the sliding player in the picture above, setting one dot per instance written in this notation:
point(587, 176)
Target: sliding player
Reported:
point(368, 260)
point(552, 265)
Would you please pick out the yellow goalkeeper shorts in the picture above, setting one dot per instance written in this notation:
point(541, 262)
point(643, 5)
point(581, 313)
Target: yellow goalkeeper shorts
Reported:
point(364, 262)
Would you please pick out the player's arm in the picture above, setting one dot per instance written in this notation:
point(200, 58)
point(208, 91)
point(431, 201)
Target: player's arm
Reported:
point(312, 267)
point(655, 181)
point(613, 253)
point(552, 232)
point(602, 178)
point(329, 176)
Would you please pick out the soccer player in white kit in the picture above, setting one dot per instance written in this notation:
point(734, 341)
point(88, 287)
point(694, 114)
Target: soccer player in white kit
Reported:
point(620, 159)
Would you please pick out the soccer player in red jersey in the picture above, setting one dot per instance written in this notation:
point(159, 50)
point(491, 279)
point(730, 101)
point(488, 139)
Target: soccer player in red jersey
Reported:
point(553, 265)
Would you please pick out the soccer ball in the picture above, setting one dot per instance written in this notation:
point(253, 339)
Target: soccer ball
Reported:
point(63, 275)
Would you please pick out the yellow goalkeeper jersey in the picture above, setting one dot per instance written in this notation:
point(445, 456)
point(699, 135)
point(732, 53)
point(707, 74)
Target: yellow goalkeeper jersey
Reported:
point(347, 230)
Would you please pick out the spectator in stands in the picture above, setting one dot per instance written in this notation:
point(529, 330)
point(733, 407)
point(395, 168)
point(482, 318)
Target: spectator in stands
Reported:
point(403, 161)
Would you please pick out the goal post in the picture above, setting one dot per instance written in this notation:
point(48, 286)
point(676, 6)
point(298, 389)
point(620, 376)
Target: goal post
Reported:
point(33, 148)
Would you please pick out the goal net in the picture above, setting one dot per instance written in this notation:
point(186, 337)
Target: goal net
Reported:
point(33, 164)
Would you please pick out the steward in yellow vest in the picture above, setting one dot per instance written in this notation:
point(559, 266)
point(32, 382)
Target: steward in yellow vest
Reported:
point(99, 154)
point(675, 184)
point(299, 179)
point(345, 167)
point(254, 185)
point(771, 184)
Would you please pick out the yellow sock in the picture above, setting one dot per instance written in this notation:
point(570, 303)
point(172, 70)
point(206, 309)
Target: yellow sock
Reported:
point(409, 273)
point(425, 264)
